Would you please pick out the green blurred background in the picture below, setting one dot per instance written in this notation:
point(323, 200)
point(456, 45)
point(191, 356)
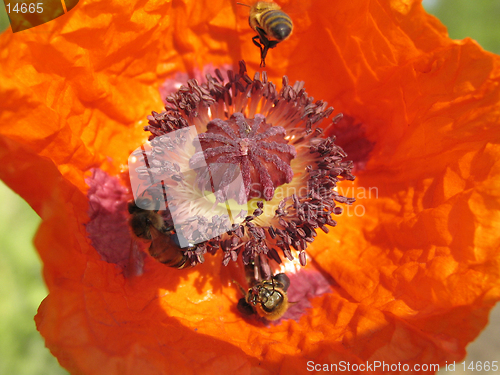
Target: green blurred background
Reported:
point(22, 350)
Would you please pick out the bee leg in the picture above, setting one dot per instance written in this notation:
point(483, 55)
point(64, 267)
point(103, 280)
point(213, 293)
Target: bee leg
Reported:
point(263, 55)
point(244, 308)
point(272, 43)
point(268, 45)
point(265, 43)
point(257, 40)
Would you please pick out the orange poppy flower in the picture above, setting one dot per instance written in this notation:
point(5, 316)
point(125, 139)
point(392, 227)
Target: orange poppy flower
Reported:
point(412, 268)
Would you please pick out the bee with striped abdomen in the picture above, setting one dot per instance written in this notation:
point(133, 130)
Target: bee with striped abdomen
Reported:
point(271, 24)
point(148, 224)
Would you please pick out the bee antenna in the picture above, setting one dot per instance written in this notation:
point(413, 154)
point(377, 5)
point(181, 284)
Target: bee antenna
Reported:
point(245, 5)
point(240, 287)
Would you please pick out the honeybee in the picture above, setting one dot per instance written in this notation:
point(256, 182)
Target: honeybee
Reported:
point(149, 225)
point(266, 298)
point(271, 24)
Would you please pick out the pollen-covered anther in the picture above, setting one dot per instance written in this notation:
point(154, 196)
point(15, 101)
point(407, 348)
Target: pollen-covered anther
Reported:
point(252, 147)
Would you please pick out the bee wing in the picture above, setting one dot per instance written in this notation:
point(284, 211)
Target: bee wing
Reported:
point(160, 242)
point(136, 260)
point(282, 279)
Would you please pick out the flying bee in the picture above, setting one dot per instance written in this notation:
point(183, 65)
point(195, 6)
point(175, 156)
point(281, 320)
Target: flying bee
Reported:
point(266, 298)
point(271, 24)
point(149, 225)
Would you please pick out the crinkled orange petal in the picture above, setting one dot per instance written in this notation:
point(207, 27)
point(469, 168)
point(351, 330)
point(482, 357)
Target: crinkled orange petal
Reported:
point(415, 260)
